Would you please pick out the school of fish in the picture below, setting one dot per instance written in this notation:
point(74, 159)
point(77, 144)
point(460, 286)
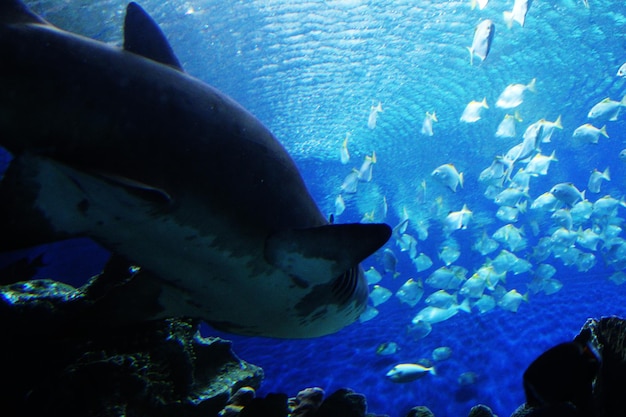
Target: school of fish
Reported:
point(534, 230)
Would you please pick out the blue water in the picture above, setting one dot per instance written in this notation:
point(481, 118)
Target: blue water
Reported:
point(311, 70)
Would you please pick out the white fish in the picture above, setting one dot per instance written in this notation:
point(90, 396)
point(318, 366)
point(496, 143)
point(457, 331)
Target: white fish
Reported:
point(350, 183)
point(379, 295)
point(588, 239)
point(441, 299)
point(511, 237)
point(407, 243)
point(496, 173)
point(539, 164)
point(387, 348)
point(365, 172)
point(444, 278)
point(449, 252)
point(372, 276)
point(340, 205)
point(507, 214)
point(595, 180)
point(581, 211)
point(567, 193)
point(410, 292)
point(546, 202)
point(483, 37)
point(344, 155)
point(518, 14)
point(619, 277)
point(434, 315)
point(448, 175)
point(588, 133)
point(621, 72)
point(503, 262)
point(481, 5)
point(485, 303)
point(408, 372)
point(427, 124)
point(473, 110)
point(511, 300)
point(548, 128)
point(456, 220)
point(563, 217)
point(606, 206)
point(442, 353)
point(585, 262)
point(485, 245)
point(373, 117)
point(510, 197)
point(419, 329)
point(369, 313)
point(422, 262)
point(389, 262)
point(506, 128)
point(513, 94)
point(607, 109)
point(473, 287)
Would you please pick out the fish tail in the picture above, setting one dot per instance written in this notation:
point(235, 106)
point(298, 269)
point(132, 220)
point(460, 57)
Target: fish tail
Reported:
point(606, 174)
point(531, 85)
point(603, 131)
point(508, 18)
point(471, 52)
point(558, 123)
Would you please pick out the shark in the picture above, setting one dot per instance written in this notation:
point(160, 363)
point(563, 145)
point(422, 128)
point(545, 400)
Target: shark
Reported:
point(121, 145)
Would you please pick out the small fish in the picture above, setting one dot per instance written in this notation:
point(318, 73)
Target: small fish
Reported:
point(621, 72)
point(484, 304)
point(434, 315)
point(480, 3)
point(567, 193)
point(448, 175)
point(379, 295)
point(485, 245)
point(518, 14)
point(622, 155)
point(419, 329)
point(387, 348)
point(390, 261)
point(456, 220)
point(546, 202)
point(340, 205)
point(441, 299)
point(507, 214)
point(422, 262)
point(449, 252)
point(369, 313)
point(513, 94)
point(539, 164)
point(344, 155)
point(373, 117)
point(408, 372)
point(588, 133)
point(467, 378)
point(351, 182)
point(483, 37)
point(372, 276)
point(563, 217)
point(506, 128)
point(510, 236)
point(595, 180)
point(365, 172)
point(410, 292)
point(473, 287)
point(473, 110)
point(442, 353)
point(549, 127)
point(427, 124)
point(607, 109)
point(511, 301)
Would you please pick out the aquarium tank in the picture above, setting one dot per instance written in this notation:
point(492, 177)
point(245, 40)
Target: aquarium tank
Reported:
point(490, 136)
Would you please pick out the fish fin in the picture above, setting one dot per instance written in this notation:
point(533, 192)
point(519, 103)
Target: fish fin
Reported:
point(432, 370)
point(325, 252)
point(603, 131)
point(557, 123)
point(143, 190)
point(143, 36)
point(471, 52)
point(22, 223)
point(508, 18)
point(532, 85)
point(461, 179)
point(14, 11)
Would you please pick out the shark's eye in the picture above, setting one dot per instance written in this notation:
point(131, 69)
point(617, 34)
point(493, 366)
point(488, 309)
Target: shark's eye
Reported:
point(346, 284)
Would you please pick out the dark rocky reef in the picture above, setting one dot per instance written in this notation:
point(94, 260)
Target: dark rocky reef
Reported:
point(60, 359)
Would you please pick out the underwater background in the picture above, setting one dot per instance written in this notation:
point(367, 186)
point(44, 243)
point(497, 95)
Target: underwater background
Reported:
point(315, 72)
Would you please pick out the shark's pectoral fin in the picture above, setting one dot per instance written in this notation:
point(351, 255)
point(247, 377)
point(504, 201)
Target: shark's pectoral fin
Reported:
point(142, 36)
point(320, 254)
point(145, 191)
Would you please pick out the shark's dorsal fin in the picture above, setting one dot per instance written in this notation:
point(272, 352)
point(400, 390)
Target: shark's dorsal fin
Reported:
point(14, 11)
point(142, 36)
point(320, 254)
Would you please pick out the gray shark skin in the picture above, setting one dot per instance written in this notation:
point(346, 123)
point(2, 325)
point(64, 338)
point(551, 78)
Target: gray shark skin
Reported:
point(120, 145)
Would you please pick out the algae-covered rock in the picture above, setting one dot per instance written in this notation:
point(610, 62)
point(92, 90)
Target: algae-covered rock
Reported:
point(60, 362)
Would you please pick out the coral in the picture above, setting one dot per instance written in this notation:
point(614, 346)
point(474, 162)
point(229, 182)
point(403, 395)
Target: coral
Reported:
point(58, 362)
point(420, 411)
